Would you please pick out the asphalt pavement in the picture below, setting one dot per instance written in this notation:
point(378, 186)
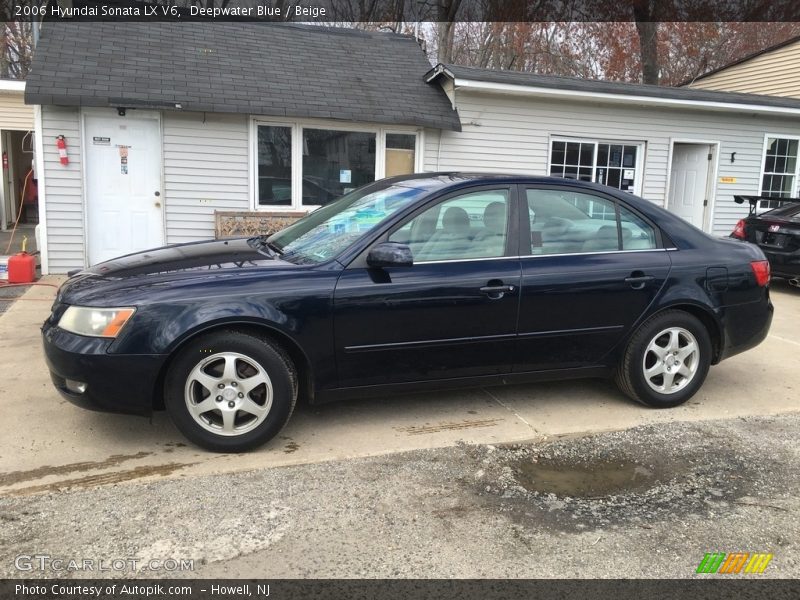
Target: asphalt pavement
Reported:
point(647, 502)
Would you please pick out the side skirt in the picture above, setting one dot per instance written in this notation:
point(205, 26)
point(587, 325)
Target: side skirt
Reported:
point(325, 396)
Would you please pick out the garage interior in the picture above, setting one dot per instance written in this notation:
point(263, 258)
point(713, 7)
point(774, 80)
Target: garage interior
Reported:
point(19, 202)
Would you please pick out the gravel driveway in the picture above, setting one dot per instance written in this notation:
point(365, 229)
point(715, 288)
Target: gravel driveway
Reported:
point(644, 502)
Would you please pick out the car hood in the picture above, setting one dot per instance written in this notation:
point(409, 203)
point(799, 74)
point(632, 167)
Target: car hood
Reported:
point(180, 264)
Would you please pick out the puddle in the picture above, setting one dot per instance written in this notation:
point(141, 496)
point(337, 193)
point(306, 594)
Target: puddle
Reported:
point(585, 480)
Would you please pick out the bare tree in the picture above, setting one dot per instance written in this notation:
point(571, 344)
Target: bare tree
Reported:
point(16, 49)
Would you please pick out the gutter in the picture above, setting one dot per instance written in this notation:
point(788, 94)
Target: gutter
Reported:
point(11, 85)
point(625, 99)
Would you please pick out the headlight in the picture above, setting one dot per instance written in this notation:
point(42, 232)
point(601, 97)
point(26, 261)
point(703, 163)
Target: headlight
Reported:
point(98, 322)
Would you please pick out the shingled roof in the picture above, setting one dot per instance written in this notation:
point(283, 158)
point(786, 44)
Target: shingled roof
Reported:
point(284, 70)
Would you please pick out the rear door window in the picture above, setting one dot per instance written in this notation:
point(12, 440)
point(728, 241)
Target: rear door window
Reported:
point(567, 222)
point(564, 221)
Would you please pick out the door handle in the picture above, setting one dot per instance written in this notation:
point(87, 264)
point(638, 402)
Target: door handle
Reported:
point(495, 292)
point(638, 280)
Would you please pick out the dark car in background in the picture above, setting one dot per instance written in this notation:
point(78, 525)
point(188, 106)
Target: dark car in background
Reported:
point(777, 233)
point(409, 283)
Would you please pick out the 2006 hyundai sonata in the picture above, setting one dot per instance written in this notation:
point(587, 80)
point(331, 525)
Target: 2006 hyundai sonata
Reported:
point(409, 283)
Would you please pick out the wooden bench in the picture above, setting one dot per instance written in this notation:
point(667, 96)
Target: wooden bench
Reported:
point(230, 224)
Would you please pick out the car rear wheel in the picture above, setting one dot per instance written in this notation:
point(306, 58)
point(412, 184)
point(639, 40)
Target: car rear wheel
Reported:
point(230, 391)
point(666, 360)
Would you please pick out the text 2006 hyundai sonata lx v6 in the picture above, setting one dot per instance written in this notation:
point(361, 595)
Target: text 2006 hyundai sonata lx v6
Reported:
point(406, 284)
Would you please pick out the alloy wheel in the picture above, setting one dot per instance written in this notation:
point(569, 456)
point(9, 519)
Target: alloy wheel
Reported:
point(228, 393)
point(671, 360)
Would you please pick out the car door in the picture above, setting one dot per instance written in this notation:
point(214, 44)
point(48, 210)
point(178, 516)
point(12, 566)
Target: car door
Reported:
point(452, 314)
point(590, 268)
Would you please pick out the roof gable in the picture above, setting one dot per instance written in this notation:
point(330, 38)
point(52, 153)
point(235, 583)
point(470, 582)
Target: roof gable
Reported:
point(282, 70)
point(744, 60)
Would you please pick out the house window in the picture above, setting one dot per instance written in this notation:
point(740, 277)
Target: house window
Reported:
point(274, 165)
point(335, 163)
point(400, 153)
point(780, 170)
point(300, 166)
point(612, 164)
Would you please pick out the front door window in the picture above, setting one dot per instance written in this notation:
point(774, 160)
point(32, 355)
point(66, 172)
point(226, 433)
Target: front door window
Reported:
point(473, 225)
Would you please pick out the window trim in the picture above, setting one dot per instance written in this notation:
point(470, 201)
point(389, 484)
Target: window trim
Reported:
point(297, 126)
point(762, 173)
point(641, 147)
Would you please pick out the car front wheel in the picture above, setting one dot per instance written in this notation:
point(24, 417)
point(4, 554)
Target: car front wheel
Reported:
point(230, 391)
point(666, 360)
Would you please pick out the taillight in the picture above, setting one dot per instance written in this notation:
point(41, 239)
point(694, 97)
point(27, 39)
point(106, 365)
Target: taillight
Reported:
point(761, 271)
point(738, 231)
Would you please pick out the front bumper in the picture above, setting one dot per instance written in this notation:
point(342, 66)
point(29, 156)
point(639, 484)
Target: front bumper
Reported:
point(120, 383)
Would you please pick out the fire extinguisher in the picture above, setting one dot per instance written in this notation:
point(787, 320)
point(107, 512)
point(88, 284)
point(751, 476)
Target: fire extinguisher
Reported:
point(5, 161)
point(61, 144)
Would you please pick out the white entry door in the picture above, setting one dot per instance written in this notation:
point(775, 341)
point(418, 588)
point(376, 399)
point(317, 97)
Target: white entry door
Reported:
point(689, 182)
point(123, 183)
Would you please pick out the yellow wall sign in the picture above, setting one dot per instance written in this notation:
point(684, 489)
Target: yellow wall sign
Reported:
point(727, 179)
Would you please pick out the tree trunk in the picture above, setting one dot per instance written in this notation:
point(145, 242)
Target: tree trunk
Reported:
point(447, 10)
point(648, 50)
point(647, 29)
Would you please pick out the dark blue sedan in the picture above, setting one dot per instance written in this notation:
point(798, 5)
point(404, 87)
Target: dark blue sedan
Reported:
point(411, 283)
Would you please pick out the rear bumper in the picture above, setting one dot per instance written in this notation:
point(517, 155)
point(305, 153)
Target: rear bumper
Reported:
point(783, 264)
point(745, 325)
point(113, 382)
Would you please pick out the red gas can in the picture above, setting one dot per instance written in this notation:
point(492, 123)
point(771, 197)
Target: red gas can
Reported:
point(21, 268)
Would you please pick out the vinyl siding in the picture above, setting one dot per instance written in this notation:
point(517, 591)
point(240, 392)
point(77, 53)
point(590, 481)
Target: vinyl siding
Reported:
point(774, 73)
point(206, 168)
point(63, 190)
point(430, 150)
point(14, 114)
point(511, 134)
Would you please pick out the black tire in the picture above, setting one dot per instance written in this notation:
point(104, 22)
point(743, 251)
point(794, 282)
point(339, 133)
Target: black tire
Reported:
point(630, 374)
point(245, 352)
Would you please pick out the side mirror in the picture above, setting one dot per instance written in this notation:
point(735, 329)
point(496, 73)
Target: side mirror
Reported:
point(390, 254)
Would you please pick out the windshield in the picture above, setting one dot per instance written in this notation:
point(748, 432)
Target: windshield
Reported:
point(329, 230)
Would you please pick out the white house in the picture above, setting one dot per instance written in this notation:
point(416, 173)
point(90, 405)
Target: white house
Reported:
point(170, 127)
